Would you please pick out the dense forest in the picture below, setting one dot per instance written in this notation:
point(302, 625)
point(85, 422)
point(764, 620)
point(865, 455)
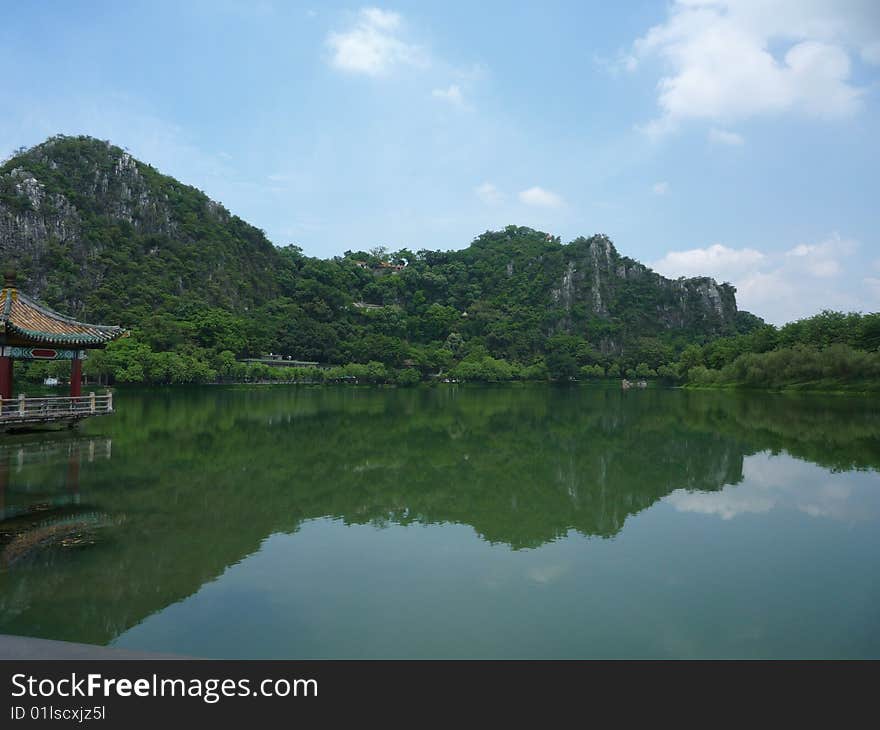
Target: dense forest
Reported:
point(101, 236)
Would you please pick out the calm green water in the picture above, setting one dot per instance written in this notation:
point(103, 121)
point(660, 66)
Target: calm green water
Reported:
point(291, 522)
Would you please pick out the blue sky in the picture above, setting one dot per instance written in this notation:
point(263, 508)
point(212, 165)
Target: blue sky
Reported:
point(735, 138)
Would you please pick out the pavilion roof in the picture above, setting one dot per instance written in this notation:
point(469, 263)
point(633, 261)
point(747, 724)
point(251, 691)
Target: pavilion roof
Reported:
point(23, 317)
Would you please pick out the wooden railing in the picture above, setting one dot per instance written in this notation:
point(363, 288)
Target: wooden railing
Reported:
point(22, 409)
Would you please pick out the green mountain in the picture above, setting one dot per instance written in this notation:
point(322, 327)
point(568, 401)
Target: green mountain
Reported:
point(100, 235)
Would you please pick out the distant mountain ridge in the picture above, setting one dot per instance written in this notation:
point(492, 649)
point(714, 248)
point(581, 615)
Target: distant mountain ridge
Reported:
point(101, 235)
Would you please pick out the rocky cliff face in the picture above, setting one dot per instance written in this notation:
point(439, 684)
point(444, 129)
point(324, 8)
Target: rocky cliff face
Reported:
point(613, 280)
point(29, 216)
point(597, 275)
point(592, 287)
point(83, 221)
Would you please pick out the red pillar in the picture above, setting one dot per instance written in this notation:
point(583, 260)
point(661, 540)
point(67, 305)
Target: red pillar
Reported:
point(5, 377)
point(76, 375)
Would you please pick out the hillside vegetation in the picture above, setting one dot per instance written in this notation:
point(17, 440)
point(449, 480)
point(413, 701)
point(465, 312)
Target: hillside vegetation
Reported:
point(101, 236)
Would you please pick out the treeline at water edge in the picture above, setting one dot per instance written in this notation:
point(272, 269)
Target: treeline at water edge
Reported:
point(831, 350)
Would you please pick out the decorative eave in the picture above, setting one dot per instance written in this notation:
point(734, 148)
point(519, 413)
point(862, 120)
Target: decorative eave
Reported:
point(22, 317)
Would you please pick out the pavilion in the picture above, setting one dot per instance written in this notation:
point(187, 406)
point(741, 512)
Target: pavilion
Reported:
point(30, 331)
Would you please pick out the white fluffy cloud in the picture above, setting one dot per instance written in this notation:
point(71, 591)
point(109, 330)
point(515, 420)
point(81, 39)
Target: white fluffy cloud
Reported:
point(723, 136)
point(728, 60)
point(783, 287)
point(373, 45)
point(821, 260)
point(541, 198)
point(452, 94)
point(488, 193)
point(660, 188)
point(716, 260)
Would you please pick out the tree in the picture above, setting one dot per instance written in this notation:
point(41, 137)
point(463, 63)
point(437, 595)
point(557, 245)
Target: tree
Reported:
point(691, 357)
point(592, 371)
point(562, 356)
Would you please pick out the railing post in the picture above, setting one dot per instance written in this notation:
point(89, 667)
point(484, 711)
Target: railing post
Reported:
point(21, 404)
point(109, 401)
point(92, 401)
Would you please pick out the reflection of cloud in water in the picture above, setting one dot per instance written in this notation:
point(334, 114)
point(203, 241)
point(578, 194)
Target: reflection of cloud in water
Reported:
point(833, 502)
point(771, 482)
point(547, 573)
point(727, 504)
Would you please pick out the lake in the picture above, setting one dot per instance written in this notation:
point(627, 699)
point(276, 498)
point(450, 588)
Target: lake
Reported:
point(513, 521)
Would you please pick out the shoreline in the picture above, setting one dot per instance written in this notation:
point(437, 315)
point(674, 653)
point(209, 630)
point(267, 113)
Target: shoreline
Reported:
point(614, 384)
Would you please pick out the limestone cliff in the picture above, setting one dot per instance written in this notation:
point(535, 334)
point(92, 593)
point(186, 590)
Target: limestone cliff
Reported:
point(90, 228)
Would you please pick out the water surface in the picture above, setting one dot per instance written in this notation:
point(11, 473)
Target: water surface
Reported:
point(533, 521)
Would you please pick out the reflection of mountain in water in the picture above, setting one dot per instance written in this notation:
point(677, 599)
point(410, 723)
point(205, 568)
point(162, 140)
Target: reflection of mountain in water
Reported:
point(198, 479)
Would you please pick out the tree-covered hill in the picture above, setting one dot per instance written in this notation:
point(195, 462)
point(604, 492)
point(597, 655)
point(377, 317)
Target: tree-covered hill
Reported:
point(99, 234)
point(104, 237)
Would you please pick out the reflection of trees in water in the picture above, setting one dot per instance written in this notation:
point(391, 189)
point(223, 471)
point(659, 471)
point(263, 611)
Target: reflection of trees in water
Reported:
point(46, 510)
point(202, 477)
point(44, 478)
